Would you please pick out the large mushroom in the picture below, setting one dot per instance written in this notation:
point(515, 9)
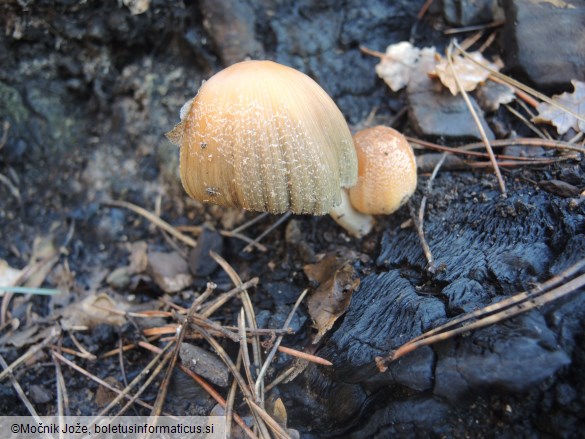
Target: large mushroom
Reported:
point(265, 137)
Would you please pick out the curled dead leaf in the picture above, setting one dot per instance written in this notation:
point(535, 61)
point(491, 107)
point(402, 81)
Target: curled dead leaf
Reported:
point(92, 311)
point(558, 117)
point(470, 74)
point(398, 64)
point(8, 275)
point(331, 299)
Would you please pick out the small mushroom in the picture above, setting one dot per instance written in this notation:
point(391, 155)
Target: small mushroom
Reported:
point(265, 137)
point(386, 171)
point(386, 179)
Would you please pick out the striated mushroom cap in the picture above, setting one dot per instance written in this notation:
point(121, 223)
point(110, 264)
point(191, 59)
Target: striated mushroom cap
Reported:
point(265, 137)
point(386, 171)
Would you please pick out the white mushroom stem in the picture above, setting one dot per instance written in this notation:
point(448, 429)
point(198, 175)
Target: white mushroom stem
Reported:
point(357, 224)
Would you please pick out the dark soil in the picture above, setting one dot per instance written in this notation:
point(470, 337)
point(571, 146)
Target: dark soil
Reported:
point(89, 90)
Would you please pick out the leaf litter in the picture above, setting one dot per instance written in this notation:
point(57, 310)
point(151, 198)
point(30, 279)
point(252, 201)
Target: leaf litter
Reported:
point(563, 121)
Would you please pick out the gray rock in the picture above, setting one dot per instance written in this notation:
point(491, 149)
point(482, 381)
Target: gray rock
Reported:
point(442, 114)
point(434, 111)
point(231, 25)
point(469, 12)
point(511, 356)
point(549, 51)
point(204, 363)
point(200, 263)
point(169, 271)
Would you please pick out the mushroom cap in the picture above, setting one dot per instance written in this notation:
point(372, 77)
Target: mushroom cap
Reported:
point(265, 137)
point(386, 171)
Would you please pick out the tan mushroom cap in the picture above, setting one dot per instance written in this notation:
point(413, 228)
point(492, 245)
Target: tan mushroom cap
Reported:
point(265, 137)
point(386, 171)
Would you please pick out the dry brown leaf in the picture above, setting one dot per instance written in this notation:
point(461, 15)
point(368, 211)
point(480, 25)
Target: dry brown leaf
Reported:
point(279, 413)
point(329, 264)
point(397, 65)
point(470, 74)
point(90, 312)
point(331, 299)
point(562, 120)
point(137, 7)
point(8, 275)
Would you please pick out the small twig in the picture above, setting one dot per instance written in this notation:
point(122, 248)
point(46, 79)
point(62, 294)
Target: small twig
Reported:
point(280, 378)
point(423, 10)
point(553, 144)
point(160, 398)
point(305, 356)
point(270, 356)
point(519, 85)
point(153, 219)
point(244, 354)
point(265, 233)
point(419, 220)
point(488, 42)
point(202, 321)
point(249, 396)
point(121, 360)
point(225, 331)
point(430, 267)
point(31, 291)
point(466, 150)
point(470, 41)
point(62, 395)
point(264, 331)
point(538, 296)
point(274, 426)
point(55, 332)
point(157, 370)
point(13, 189)
point(459, 30)
point(83, 353)
point(513, 163)
point(250, 223)
point(207, 387)
point(196, 230)
point(522, 95)
point(248, 307)
point(371, 52)
point(249, 241)
point(71, 364)
point(145, 371)
point(211, 307)
point(19, 390)
point(229, 408)
point(525, 121)
point(476, 119)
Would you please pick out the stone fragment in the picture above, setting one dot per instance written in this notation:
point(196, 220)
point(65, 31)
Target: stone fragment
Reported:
point(434, 111)
point(169, 271)
point(512, 356)
point(204, 363)
point(231, 25)
point(470, 12)
point(549, 52)
point(200, 263)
